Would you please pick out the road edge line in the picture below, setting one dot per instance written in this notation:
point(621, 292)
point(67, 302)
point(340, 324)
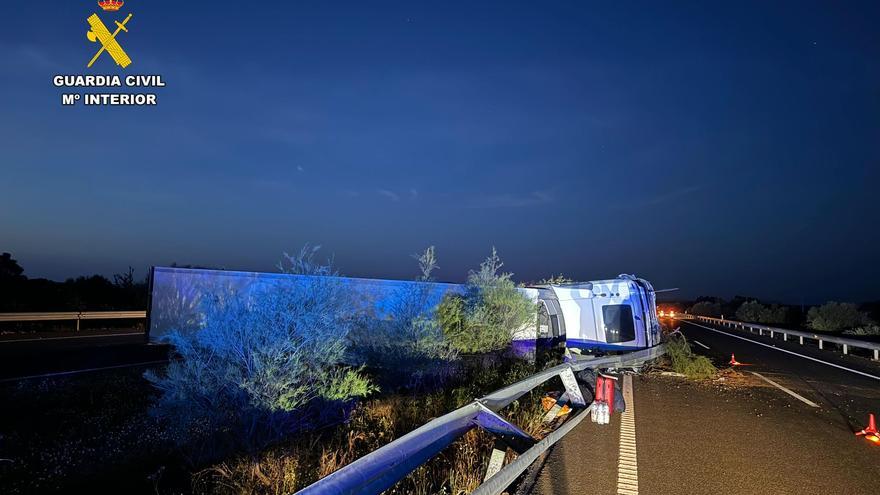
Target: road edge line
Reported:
point(788, 352)
point(627, 483)
point(786, 390)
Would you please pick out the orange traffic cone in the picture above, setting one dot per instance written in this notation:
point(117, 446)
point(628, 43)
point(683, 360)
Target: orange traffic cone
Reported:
point(871, 431)
point(733, 361)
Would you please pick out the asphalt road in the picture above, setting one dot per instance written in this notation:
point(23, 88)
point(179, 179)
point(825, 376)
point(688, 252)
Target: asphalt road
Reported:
point(37, 356)
point(738, 435)
point(847, 396)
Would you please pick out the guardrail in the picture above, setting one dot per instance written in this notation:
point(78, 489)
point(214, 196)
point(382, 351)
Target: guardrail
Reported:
point(844, 342)
point(73, 315)
point(381, 469)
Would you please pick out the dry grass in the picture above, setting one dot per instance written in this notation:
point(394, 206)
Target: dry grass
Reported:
point(457, 469)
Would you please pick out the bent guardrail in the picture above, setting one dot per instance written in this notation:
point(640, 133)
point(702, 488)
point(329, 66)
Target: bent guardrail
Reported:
point(381, 469)
point(73, 315)
point(844, 342)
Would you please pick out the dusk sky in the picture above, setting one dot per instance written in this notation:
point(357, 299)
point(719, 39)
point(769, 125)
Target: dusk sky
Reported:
point(721, 149)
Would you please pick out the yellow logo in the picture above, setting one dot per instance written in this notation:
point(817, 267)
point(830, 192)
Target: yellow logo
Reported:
point(100, 33)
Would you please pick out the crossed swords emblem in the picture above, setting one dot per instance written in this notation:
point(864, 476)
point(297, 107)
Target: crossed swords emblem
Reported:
point(99, 32)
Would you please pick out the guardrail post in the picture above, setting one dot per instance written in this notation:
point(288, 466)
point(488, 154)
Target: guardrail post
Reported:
point(78, 317)
point(761, 332)
point(876, 354)
point(772, 334)
point(801, 337)
point(820, 344)
point(785, 337)
point(845, 349)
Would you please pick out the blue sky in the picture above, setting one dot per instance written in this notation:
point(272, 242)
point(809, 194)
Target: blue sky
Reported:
point(722, 149)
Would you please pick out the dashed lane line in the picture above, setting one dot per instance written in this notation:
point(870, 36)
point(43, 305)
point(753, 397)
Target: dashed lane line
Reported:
point(627, 467)
point(704, 346)
point(787, 351)
point(789, 392)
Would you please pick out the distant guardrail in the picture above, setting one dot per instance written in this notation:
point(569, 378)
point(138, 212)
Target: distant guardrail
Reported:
point(844, 342)
point(73, 315)
point(382, 468)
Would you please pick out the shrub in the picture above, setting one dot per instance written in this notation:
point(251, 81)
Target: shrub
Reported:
point(774, 314)
point(490, 311)
point(264, 364)
point(755, 312)
point(834, 316)
point(750, 311)
point(684, 361)
point(556, 280)
point(407, 338)
point(706, 308)
point(865, 331)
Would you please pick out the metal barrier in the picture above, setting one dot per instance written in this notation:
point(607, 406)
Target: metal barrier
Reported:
point(381, 469)
point(844, 342)
point(74, 315)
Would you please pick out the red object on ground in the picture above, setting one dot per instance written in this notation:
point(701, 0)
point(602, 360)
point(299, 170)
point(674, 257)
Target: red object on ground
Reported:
point(609, 394)
point(733, 361)
point(870, 432)
point(600, 389)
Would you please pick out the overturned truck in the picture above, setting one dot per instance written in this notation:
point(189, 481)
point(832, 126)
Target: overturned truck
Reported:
point(603, 315)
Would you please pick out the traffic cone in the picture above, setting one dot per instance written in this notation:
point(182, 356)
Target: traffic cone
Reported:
point(733, 361)
point(871, 431)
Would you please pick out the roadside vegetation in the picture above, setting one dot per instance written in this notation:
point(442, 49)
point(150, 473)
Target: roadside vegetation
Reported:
point(834, 317)
point(682, 358)
point(264, 365)
point(484, 318)
point(755, 312)
point(376, 422)
point(341, 376)
point(831, 317)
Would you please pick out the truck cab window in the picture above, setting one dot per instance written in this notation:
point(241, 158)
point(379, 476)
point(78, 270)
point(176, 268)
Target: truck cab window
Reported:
point(618, 320)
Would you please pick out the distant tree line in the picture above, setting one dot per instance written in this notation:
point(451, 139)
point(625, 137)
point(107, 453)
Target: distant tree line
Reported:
point(18, 293)
point(832, 316)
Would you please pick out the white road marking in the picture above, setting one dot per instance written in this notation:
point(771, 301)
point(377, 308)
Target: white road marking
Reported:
point(627, 465)
point(788, 352)
point(704, 346)
point(789, 392)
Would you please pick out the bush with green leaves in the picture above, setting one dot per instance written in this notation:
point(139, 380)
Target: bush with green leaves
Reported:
point(755, 312)
point(267, 362)
point(490, 311)
point(834, 317)
point(865, 331)
point(684, 361)
point(555, 280)
point(706, 308)
point(407, 338)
